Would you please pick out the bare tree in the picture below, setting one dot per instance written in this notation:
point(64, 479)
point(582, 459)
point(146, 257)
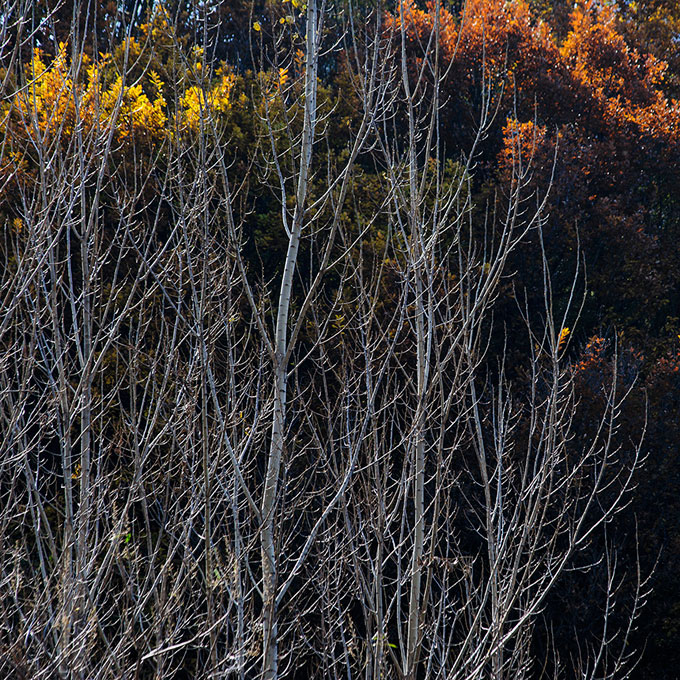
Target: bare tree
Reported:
point(321, 470)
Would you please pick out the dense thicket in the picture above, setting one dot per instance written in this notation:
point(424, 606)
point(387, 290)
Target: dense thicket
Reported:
point(339, 338)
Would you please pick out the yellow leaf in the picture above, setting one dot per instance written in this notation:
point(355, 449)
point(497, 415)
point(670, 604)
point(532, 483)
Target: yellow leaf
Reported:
point(256, 26)
point(564, 334)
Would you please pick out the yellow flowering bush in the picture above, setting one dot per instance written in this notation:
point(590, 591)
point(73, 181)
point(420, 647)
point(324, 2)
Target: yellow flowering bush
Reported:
point(54, 104)
point(136, 113)
point(46, 104)
point(197, 102)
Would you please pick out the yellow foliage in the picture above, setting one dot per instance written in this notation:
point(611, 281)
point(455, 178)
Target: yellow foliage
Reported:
point(197, 103)
point(47, 101)
point(132, 111)
point(564, 334)
point(53, 104)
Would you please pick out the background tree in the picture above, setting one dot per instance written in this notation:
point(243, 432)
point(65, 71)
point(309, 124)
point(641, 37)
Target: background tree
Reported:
point(292, 380)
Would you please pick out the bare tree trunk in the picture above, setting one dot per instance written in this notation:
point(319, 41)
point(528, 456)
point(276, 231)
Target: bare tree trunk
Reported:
point(282, 354)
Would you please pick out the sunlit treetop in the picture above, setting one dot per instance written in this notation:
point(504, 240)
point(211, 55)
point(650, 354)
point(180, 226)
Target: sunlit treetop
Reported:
point(55, 101)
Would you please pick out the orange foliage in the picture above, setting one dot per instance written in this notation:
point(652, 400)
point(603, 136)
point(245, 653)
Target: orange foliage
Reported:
point(525, 143)
point(594, 369)
point(418, 23)
point(593, 356)
point(504, 37)
point(627, 83)
point(594, 73)
point(667, 365)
